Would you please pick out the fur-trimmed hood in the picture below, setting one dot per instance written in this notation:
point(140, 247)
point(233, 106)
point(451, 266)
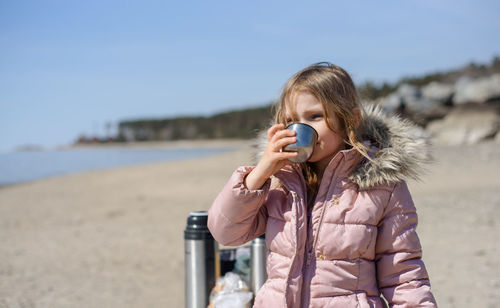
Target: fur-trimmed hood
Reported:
point(400, 149)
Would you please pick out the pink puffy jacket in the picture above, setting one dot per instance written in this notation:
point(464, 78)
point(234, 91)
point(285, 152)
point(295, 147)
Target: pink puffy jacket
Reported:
point(359, 242)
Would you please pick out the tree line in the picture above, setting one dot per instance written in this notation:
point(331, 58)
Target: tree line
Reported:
point(243, 124)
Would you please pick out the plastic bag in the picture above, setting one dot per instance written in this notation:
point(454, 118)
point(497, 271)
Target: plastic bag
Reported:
point(230, 291)
point(242, 264)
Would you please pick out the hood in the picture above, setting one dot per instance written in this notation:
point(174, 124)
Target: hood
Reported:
point(400, 150)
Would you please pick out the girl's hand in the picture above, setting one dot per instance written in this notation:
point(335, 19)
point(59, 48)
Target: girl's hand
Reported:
point(273, 158)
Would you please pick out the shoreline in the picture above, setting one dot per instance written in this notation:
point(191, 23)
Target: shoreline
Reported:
point(184, 144)
point(218, 146)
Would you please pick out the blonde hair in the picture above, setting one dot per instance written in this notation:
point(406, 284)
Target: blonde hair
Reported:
point(334, 88)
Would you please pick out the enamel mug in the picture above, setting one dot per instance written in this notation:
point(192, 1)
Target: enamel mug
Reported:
point(306, 139)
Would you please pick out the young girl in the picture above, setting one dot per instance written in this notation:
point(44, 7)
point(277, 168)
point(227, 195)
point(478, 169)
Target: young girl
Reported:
point(340, 228)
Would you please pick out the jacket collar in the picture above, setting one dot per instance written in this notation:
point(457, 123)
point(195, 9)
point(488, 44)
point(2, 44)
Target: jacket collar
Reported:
point(340, 166)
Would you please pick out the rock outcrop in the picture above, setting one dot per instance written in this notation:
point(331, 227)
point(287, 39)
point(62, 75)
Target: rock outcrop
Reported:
point(467, 124)
point(465, 112)
point(477, 91)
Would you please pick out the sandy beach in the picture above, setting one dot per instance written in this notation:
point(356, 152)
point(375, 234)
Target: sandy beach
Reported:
point(114, 238)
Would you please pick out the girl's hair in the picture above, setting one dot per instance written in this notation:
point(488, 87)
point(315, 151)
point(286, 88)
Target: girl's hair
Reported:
point(334, 88)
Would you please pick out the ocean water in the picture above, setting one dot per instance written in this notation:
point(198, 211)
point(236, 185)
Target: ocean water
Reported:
point(17, 167)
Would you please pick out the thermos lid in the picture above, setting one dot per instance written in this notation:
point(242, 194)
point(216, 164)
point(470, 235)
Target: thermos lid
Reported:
point(196, 228)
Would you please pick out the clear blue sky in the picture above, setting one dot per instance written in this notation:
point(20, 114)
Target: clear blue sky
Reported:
point(68, 67)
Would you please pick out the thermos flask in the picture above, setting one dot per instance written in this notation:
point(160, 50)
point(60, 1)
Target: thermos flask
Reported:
point(199, 255)
point(258, 254)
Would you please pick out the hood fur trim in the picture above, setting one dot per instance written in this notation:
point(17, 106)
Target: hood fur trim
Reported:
point(401, 149)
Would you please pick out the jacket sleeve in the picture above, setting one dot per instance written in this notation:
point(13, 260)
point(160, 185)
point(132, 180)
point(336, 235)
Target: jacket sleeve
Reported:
point(401, 273)
point(238, 214)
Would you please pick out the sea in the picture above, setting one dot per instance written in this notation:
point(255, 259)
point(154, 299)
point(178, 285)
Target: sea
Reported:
point(23, 166)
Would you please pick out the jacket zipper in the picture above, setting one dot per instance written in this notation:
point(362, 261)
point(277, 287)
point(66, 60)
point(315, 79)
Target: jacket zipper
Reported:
point(333, 180)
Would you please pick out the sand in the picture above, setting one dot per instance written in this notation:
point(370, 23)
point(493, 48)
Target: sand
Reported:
point(114, 238)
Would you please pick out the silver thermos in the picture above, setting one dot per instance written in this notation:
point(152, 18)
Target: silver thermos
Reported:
point(258, 254)
point(200, 260)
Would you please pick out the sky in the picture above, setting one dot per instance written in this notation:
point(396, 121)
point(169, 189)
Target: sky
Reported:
point(72, 67)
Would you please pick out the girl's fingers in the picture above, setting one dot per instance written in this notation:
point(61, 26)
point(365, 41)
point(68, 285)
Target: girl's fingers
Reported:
point(283, 142)
point(273, 130)
point(286, 155)
point(284, 133)
point(279, 137)
point(278, 131)
point(283, 157)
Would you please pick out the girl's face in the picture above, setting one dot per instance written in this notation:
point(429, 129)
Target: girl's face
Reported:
point(305, 108)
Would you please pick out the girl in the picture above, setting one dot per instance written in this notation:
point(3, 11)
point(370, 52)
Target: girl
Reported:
point(340, 228)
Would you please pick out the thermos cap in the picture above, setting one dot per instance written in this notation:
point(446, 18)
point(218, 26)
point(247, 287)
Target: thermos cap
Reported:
point(197, 220)
point(196, 228)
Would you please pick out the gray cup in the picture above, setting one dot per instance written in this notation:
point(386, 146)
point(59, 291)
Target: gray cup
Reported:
point(306, 139)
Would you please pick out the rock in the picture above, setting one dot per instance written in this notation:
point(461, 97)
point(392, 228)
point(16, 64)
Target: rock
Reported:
point(409, 102)
point(467, 124)
point(439, 92)
point(391, 103)
point(407, 91)
point(478, 90)
point(422, 111)
point(398, 100)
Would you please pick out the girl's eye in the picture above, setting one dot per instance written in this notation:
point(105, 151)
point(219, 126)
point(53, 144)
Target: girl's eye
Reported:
point(317, 116)
point(288, 120)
